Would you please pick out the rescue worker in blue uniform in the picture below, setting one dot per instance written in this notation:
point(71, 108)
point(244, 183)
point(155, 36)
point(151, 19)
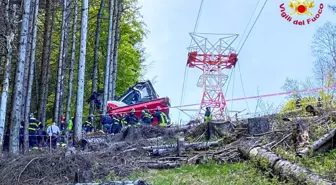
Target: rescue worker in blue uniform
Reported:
point(41, 137)
point(116, 127)
point(34, 125)
point(123, 120)
point(131, 119)
point(146, 116)
point(207, 115)
point(87, 126)
point(161, 116)
point(107, 122)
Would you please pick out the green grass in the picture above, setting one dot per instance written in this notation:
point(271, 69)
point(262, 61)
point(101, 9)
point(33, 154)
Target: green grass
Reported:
point(322, 164)
point(210, 174)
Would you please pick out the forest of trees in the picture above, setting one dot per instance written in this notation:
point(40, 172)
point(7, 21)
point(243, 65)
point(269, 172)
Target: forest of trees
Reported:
point(55, 54)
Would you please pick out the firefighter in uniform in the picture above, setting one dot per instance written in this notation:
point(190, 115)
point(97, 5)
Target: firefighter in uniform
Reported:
point(34, 125)
point(131, 119)
point(87, 126)
point(107, 123)
point(123, 120)
point(298, 103)
point(207, 115)
point(161, 116)
point(319, 102)
point(146, 116)
point(116, 127)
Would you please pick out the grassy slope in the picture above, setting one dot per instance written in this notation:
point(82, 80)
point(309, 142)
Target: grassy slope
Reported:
point(322, 164)
point(210, 174)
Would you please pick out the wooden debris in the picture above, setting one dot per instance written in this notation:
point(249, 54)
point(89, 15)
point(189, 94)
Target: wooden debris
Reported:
point(318, 143)
point(266, 159)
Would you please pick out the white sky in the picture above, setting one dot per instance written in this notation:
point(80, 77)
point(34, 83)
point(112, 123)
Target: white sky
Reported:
point(275, 49)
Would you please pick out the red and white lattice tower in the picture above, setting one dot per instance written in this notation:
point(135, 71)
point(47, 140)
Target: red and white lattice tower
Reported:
point(215, 61)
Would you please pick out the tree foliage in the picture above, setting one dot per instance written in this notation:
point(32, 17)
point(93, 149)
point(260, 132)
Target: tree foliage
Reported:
point(324, 50)
point(130, 52)
point(130, 58)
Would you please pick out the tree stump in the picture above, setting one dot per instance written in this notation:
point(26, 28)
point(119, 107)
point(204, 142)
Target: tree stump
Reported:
point(300, 136)
point(258, 125)
point(180, 146)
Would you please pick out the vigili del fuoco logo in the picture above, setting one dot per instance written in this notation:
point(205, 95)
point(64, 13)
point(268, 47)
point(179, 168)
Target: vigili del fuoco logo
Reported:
point(301, 8)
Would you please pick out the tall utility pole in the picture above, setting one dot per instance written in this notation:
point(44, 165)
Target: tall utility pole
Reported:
point(215, 61)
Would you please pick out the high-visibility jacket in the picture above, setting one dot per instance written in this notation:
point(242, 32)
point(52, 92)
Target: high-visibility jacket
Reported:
point(146, 114)
point(34, 125)
point(70, 125)
point(116, 120)
point(123, 121)
point(207, 116)
point(131, 119)
point(162, 118)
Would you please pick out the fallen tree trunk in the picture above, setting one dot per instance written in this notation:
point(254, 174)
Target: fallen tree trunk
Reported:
point(137, 182)
point(185, 144)
point(318, 143)
point(284, 169)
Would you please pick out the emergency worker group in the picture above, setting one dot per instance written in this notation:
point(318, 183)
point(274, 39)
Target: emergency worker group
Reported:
point(113, 123)
point(53, 135)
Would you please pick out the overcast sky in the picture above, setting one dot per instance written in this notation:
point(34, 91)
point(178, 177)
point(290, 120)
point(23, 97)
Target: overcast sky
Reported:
point(275, 49)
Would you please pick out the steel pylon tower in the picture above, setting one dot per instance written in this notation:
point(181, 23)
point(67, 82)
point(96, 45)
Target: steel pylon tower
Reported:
point(215, 61)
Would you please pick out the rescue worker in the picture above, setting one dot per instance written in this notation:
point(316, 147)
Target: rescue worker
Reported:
point(62, 125)
point(34, 125)
point(116, 127)
point(319, 102)
point(298, 103)
point(131, 119)
point(70, 124)
point(53, 133)
point(207, 115)
point(123, 120)
point(146, 116)
point(87, 126)
point(107, 122)
point(41, 137)
point(161, 116)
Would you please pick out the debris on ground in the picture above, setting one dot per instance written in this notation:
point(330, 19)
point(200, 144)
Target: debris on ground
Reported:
point(147, 147)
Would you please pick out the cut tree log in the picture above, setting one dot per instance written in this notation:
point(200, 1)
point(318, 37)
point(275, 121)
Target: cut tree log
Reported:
point(284, 169)
point(318, 143)
point(137, 182)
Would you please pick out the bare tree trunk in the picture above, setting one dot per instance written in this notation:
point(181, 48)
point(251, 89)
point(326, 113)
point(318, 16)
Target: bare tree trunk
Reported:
point(73, 53)
point(81, 73)
point(9, 23)
point(31, 73)
point(45, 61)
point(60, 67)
point(17, 102)
point(267, 159)
point(108, 57)
point(95, 67)
point(115, 50)
point(27, 62)
point(65, 57)
point(115, 16)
